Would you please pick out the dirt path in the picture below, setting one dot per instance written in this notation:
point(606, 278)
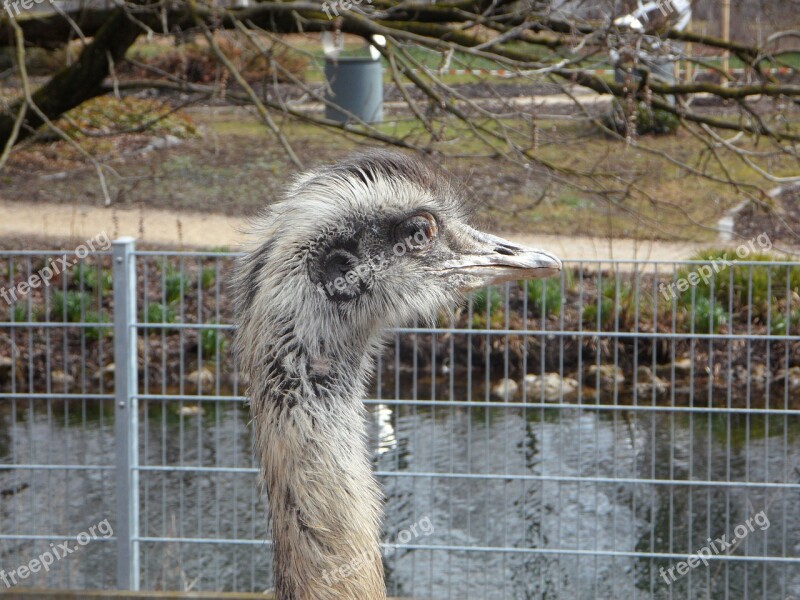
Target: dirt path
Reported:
point(60, 223)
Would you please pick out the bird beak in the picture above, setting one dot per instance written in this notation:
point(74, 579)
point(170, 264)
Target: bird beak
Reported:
point(487, 260)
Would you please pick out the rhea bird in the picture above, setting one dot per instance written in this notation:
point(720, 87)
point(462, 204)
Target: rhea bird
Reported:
point(350, 252)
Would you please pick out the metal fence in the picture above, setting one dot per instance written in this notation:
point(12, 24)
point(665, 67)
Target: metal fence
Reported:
point(578, 438)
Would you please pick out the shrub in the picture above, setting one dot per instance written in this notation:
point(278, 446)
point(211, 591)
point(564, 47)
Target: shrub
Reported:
point(20, 312)
point(763, 287)
point(109, 115)
point(606, 309)
point(488, 296)
point(197, 63)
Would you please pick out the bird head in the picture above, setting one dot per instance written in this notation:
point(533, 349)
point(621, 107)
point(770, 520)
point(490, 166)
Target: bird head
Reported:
point(368, 244)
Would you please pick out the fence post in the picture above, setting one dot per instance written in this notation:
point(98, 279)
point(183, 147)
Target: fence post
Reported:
point(126, 414)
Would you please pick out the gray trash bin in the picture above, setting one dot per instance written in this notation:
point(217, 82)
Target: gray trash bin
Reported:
point(355, 84)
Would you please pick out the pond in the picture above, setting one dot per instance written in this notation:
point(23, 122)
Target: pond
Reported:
point(580, 499)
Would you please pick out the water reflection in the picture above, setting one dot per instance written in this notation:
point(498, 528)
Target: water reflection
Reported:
point(559, 486)
point(580, 498)
point(387, 441)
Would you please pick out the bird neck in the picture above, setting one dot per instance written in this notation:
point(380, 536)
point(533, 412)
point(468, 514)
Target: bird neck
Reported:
point(325, 503)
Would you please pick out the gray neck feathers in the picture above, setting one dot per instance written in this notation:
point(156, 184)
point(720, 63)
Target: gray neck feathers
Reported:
point(311, 440)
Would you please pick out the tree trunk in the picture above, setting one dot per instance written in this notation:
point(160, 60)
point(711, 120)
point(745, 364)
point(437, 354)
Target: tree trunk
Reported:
point(79, 82)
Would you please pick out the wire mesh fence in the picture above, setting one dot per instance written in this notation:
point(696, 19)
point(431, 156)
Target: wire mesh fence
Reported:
point(626, 429)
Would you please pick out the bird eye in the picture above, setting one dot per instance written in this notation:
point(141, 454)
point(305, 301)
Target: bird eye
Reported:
point(416, 232)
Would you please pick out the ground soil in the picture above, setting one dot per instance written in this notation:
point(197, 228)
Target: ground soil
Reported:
point(780, 220)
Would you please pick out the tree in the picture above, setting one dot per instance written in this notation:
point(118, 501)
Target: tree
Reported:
point(565, 45)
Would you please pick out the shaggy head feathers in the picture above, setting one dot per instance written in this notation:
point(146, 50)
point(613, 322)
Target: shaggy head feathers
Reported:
point(351, 250)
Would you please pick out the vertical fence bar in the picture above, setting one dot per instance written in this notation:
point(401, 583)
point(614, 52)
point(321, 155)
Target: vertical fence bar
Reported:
point(126, 414)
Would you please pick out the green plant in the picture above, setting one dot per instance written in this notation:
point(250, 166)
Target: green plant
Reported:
point(175, 285)
point(616, 305)
point(492, 299)
point(708, 315)
point(778, 325)
point(762, 287)
point(94, 278)
point(544, 296)
point(207, 277)
point(69, 307)
point(95, 333)
point(605, 307)
point(487, 296)
point(20, 313)
point(159, 313)
point(212, 342)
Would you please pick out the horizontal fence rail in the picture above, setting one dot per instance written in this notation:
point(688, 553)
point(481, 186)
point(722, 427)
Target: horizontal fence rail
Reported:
point(593, 435)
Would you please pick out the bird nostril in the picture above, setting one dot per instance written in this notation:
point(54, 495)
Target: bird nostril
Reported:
point(504, 251)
